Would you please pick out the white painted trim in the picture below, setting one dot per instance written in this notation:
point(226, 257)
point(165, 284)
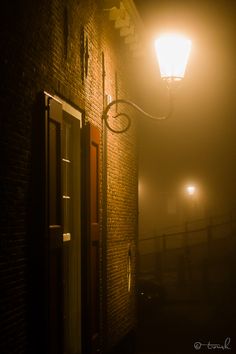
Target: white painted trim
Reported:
point(66, 107)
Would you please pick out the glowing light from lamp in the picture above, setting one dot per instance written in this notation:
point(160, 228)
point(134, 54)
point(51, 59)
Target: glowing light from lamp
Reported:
point(191, 190)
point(172, 53)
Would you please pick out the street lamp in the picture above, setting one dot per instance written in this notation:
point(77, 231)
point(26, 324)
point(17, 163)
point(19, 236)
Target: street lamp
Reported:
point(191, 190)
point(172, 53)
point(192, 198)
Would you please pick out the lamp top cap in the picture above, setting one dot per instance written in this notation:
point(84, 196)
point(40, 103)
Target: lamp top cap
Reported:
point(173, 37)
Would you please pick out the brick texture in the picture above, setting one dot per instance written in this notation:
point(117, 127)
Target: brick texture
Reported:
point(41, 50)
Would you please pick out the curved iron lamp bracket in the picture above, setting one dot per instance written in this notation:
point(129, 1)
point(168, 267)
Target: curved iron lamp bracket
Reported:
point(105, 115)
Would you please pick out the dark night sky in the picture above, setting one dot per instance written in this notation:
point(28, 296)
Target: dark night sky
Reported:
point(198, 143)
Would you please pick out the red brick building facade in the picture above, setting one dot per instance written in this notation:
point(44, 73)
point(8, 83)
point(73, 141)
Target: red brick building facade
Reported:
point(60, 61)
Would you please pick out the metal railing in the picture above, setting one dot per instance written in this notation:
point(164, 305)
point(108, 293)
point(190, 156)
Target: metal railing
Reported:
point(197, 260)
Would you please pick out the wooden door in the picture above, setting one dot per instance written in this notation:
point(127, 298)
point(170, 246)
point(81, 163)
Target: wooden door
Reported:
point(54, 241)
point(71, 234)
point(92, 242)
point(63, 229)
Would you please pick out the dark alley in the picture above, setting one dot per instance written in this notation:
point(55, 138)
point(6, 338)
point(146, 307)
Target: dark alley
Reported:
point(117, 182)
point(186, 291)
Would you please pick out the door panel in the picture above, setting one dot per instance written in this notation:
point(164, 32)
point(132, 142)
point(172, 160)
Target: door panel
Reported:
point(54, 243)
point(71, 234)
point(92, 244)
point(54, 173)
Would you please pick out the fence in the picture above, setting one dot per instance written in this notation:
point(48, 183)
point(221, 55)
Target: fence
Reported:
point(196, 261)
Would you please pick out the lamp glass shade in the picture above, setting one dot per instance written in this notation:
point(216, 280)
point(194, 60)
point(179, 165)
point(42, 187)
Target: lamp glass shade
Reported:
point(172, 54)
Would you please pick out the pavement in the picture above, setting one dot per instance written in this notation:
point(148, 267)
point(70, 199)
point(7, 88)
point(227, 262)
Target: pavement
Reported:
point(185, 327)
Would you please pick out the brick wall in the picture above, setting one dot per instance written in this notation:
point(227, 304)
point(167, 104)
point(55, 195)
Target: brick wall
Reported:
point(41, 50)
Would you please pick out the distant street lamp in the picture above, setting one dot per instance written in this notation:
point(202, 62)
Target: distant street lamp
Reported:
point(191, 190)
point(172, 54)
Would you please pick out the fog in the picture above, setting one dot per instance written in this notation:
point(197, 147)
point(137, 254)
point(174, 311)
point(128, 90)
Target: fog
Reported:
point(197, 144)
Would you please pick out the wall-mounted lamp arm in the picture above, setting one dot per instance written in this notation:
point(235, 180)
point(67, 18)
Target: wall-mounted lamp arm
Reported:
point(105, 115)
point(172, 53)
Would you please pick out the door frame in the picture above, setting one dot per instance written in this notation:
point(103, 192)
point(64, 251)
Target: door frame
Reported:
point(39, 243)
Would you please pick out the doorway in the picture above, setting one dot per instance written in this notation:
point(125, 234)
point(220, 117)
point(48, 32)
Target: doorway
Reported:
point(71, 210)
point(63, 245)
